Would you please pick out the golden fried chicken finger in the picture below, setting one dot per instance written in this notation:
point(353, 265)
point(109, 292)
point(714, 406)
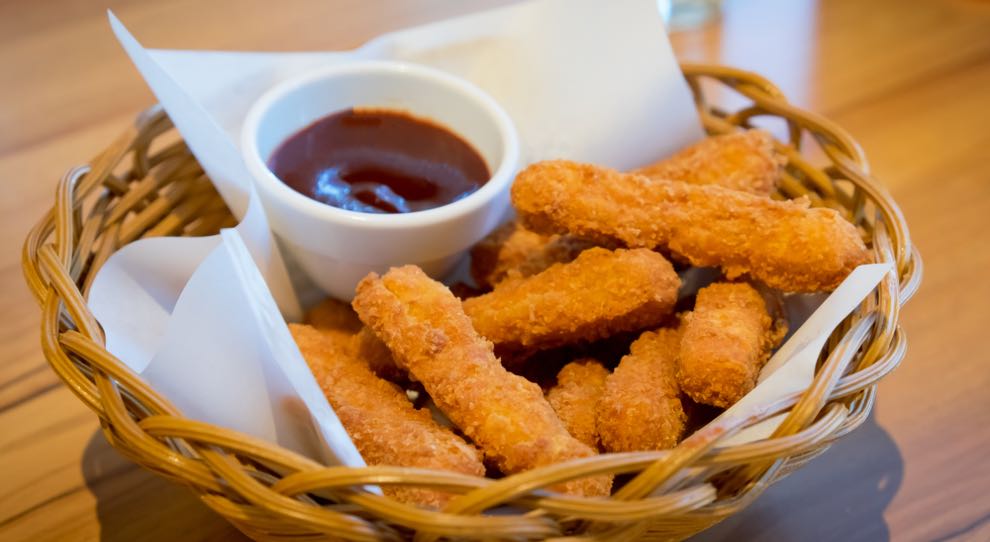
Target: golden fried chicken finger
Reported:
point(785, 244)
point(575, 397)
point(601, 293)
point(744, 161)
point(507, 416)
point(367, 346)
point(334, 316)
point(512, 251)
point(641, 406)
point(338, 321)
point(727, 339)
point(381, 421)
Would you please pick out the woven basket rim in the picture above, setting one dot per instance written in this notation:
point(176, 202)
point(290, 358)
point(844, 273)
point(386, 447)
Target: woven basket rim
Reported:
point(272, 493)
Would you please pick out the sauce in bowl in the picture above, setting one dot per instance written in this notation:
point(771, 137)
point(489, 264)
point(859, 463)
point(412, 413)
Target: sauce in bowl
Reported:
point(379, 161)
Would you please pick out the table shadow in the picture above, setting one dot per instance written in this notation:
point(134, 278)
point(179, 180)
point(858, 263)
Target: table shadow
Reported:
point(840, 495)
point(135, 504)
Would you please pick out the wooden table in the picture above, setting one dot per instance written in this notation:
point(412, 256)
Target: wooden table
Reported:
point(912, 83)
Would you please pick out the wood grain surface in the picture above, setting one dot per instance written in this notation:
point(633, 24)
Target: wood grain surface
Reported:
point(911, 81)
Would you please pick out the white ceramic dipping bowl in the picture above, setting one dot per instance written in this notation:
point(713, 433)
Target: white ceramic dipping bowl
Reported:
point(338, 247)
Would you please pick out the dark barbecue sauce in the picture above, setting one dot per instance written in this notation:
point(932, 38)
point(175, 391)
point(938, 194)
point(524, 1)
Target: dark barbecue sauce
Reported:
point(379, 161)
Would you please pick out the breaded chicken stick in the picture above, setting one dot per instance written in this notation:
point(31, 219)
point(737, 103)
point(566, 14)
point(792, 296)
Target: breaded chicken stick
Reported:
point(512, 252)
point(744, 161)
point(334, 316)
point(601, 293)
point(507, 416)
point(785, 244)
point(381, 421)
point(575, 397)
point(338, 321)
point(641, 407)
point(727, 339)
point(367, 346)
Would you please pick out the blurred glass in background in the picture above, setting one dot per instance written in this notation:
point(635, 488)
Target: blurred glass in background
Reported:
point(689, 14)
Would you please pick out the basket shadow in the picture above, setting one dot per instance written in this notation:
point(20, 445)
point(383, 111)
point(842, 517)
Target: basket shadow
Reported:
point(135, 504)
point(841, 495)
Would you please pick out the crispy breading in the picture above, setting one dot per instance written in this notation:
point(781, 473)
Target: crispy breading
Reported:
point(381, 421)
point(727, 339)
point(601, 293)
point(744, 161)
point(338, 321)
point(367, 346)
point(512, 252)
point(575, 396)
point(641, 407)
point(335, 317)
point(507, 416)
point(785, 244)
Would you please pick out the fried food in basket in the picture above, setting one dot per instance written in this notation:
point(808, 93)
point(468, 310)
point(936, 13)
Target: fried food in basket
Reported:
point(507, 416)
point(744, 161)
point(339, 321)
point(785, 244)
point(334, 316)
point(641, 408)
point(512, 251)
point(601, 293)
point(367, 346)
point(727, 339)
point(574, 282)
point(575, 396)
point(381, 421)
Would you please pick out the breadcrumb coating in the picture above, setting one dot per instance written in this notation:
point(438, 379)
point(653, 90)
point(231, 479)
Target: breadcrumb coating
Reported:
point(513, 252)
point(641, 408)
point(727, 339)
point(381, 421)
point(367, 346)
point(575, 397)
point(335, 317)
point(601, 293)
point(785, 244)
point(507, 416)
point(338, 320)
point(744, 161)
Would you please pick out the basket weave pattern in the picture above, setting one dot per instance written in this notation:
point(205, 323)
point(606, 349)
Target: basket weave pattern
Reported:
point(140, 188)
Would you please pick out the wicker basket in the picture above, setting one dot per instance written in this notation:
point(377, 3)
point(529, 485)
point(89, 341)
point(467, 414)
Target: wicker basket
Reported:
point(142, 187)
